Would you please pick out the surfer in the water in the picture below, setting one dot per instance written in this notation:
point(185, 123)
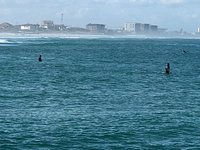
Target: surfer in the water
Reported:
point(40, 58)
point(167, 69)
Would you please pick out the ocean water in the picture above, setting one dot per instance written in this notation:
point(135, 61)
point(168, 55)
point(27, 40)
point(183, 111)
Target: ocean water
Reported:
point(103, 94)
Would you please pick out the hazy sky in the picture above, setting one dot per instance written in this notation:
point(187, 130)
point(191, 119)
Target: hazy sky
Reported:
point(171, 14)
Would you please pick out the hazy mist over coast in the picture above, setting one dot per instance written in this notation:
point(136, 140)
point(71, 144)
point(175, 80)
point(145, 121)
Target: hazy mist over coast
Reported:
point(170, 14)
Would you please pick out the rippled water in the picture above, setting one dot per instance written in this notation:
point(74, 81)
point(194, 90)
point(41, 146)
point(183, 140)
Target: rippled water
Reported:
point(99, 94)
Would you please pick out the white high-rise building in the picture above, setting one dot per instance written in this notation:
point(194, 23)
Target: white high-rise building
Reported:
point(129, 27)
point(198, 29)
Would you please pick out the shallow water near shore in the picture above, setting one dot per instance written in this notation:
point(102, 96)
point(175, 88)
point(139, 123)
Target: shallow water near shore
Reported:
point(99, 94)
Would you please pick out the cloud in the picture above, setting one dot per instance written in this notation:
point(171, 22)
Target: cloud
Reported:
point(157, 2)
point(143, 1)
point(170, 2)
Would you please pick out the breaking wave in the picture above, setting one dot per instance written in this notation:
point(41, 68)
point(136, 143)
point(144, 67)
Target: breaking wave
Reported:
point(4, 41)
point(9, 42)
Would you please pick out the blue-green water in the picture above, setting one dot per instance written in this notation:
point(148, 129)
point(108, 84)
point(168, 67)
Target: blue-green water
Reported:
point(99, 94)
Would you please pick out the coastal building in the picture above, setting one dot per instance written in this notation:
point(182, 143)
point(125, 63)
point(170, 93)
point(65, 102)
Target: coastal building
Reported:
point(153, 28)
point(47, 24)
point(96, 28)
point(129, 27)
point(29, 27)
point(5, 25)
point(146, 28)
point(198, 31)
point(60, 27)
point(139, 27)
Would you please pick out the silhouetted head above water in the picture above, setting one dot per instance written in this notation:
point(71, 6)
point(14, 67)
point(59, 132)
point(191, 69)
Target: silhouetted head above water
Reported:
point(40, 58)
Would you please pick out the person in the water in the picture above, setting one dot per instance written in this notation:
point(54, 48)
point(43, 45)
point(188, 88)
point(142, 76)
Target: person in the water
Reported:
point(40, 58)
point(167, 68)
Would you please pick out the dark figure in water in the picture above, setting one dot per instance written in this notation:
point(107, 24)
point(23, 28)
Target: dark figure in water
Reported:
point(184, 51)
point(167, 69)
point(40, 58)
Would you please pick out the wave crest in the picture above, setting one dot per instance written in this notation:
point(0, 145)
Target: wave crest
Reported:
point(4, 41)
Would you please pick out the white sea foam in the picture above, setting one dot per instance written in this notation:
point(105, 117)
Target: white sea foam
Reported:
point(4, 41)
point(66, 36)
point(85, 36)
point(9, 42)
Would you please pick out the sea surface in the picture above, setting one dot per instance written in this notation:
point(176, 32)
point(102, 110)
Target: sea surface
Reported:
point(99, 94)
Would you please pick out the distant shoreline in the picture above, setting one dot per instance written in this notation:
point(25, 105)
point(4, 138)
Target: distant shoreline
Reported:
point(91, 35)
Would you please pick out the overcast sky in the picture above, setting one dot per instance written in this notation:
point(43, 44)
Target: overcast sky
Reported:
point(170, 14)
